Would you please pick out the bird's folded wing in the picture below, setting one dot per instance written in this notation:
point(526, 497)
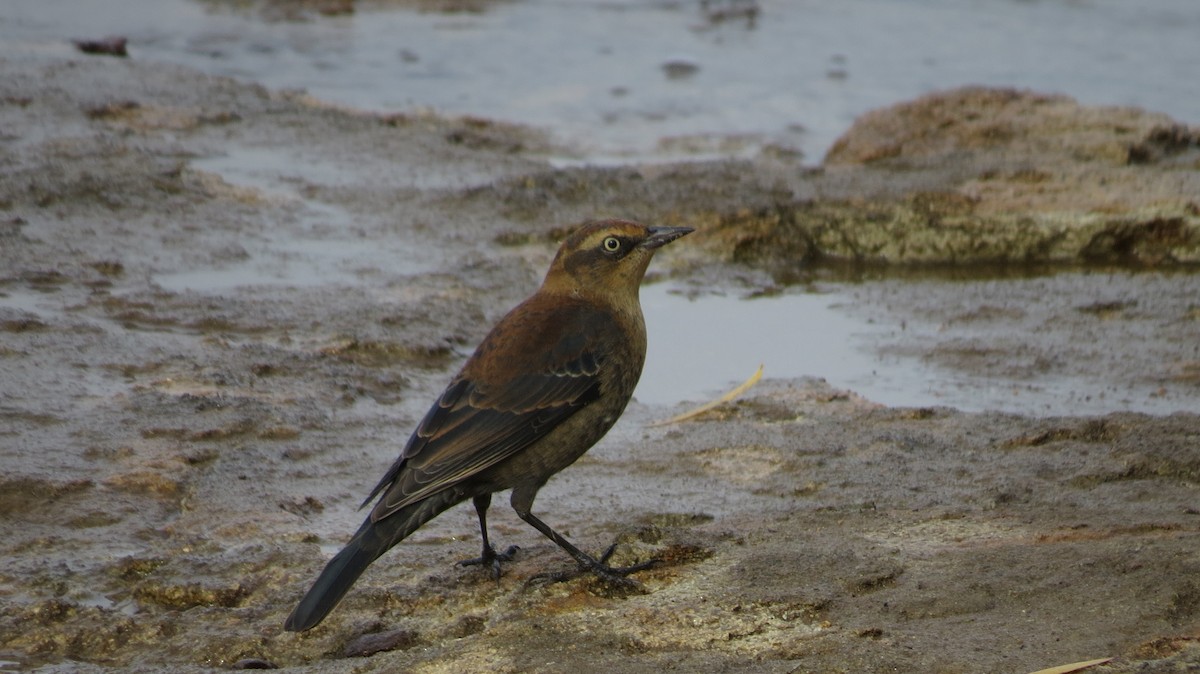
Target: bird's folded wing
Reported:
point(472, 427)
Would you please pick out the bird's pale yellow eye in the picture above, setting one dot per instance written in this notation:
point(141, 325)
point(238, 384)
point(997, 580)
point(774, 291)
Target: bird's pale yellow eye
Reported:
point(612, 244)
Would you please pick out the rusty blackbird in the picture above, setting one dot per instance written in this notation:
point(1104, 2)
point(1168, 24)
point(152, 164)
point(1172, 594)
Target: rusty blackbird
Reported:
point(545, 385)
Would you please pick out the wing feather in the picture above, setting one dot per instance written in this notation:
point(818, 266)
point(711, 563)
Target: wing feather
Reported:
point(476, 423)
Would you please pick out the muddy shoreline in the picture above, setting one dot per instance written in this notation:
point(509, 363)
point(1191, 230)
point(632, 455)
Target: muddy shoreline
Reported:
point(204, 370)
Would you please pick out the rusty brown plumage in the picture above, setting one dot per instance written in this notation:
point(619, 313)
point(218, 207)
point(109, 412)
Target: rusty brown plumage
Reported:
point(545, 385)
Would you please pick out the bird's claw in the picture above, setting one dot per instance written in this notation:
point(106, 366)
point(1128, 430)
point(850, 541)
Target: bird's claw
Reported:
point(617, 579)
point(607, 553)
point(633, 568)
point(616, 576)
point(492, 558)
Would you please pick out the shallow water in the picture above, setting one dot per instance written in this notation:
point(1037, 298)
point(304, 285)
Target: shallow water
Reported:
point(699, 345)
point(967, 344)
point(626, 80)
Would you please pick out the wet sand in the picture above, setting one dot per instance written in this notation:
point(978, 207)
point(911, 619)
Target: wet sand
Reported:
point(205, 369)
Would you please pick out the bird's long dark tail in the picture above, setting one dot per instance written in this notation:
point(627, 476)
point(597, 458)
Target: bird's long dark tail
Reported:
point(372, 540)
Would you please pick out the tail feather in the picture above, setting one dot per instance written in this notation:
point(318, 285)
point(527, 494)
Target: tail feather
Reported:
point(333, 583)
point(372, 540)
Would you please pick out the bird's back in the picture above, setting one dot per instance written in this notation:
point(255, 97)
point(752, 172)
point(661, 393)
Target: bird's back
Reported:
point(577, 341)
point(545, 384)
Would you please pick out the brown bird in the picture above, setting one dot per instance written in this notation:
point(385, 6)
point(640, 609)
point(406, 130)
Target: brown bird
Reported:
point(545, 385)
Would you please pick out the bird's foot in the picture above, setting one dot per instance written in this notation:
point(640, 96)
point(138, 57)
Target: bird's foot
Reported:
point(492, 558)
point(614, 576)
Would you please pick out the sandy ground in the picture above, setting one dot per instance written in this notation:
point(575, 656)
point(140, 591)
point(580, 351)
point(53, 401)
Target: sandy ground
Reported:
point(222, 309)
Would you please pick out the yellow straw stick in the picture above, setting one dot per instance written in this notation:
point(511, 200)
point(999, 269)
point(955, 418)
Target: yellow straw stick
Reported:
point(1073, 667)
point(745, 386)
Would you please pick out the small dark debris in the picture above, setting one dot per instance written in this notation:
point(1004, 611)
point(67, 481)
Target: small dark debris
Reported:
point(109, 46)
point(872, 582)
point(679, 69)
point(109, 268)
point(468, 625)
point(378, 642)
point(218, 118)
point(1105, 309)
point(296, 454)
point(22, 325)
point(112, 109)
point(720, 11)
point(201, 457)
point(263, 369)
point(303, 507)
point(44, 279)
point(254, 663)
point(279, 433)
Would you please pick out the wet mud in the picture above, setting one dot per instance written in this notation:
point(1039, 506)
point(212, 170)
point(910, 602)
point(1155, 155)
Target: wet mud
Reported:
point(206, 364)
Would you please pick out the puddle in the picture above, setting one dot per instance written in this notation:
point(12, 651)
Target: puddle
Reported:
point(943, 343)
point(320, 255)
point(699, 348)
point(654, 81)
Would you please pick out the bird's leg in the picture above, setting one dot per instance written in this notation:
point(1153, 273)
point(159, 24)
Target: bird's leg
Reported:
point(616, 575)
point(489, 557)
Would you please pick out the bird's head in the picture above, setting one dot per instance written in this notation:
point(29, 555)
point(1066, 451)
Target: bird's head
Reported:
point(607, 258)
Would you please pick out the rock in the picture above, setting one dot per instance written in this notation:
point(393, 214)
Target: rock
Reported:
point(992, 176)
point(1004, 124)
point(370, 644)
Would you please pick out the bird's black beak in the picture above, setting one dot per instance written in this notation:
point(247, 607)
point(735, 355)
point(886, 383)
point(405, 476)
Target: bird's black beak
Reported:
point(661, 236)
